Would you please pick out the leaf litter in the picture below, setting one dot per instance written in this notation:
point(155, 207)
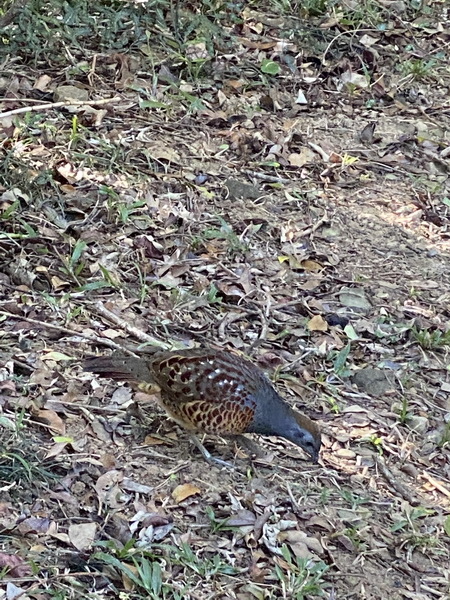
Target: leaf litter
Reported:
point(287, 196)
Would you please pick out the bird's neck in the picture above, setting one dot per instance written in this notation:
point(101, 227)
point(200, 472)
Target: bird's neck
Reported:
point(274, 418)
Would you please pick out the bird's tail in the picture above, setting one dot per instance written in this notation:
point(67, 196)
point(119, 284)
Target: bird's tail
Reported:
point(120, 368)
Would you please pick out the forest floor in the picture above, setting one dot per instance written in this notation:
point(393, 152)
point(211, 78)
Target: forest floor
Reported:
point(270, 179)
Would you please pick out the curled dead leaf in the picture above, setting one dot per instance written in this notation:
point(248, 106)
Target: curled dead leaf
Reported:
point(107, 488)
point(50, 419)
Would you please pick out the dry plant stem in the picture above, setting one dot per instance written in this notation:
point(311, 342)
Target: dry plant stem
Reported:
point(17, 99)
point(51, 105)
point(263, 333)
point(437, 484)
point(269, 178)
point(316, 226)
point(134, 331)
point(23, 365)
point(398, 487)
point(227, 320)
point(297, 510)
point(351, 32)
point(72, 332)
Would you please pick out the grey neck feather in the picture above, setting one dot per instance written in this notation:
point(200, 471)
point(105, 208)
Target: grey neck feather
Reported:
point(273, 416)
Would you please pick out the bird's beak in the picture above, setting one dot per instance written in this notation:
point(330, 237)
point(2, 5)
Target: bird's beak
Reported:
point(315, 457)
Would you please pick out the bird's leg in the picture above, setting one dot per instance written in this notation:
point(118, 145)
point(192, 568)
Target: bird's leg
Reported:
point(249, 445)
point(207, 455)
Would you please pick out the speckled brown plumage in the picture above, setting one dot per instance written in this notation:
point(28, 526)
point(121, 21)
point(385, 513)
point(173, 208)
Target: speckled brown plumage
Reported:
point(213, 392)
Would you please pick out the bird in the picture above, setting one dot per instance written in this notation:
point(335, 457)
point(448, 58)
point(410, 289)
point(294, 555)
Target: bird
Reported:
point(211, 391)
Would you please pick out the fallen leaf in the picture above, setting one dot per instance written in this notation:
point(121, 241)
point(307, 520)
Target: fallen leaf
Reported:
point(301, 98)
point(34, 525)
point(355, 79)
point(56, 449)
point(354, 298)
point(13, 592)
point(243, 518)
point(107, 488)
point(317, 323)
point(14, 565)
point(350, 332)
point(58, 356)
point(112, 334)
point(51, 419)
point(151, 440)
point(58, 284)
point(305, 156)
point(311, 266)
point(181, 492)
point(42, 82)
point(447, 526)
point(82, 535)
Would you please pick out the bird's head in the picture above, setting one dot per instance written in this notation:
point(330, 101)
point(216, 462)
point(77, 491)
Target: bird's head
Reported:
point(304, 433)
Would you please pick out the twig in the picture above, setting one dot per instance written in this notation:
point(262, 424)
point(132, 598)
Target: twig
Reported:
point(270, 178)
point(226, 321)
point(71, 332)
point(134, 331)
point(339, 35)
point(398, 487)
point(436, 484)
point(22, 365)
point(315, 227)
point(50, 105)
point(18, 99)
point(297, 510)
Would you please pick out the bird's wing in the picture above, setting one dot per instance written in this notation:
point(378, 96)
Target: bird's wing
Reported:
point(208, 375)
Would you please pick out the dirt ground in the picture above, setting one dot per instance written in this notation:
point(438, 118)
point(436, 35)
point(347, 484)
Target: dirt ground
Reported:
point(298, 216)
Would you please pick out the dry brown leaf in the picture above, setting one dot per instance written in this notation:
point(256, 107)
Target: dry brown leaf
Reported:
point(112, 334)
point(243, 518)
point(299, 159)
point(151, 440)
point(42, 82)
point(58, 284)
point(311, 266)
point(311, 284)
point(56, 356)
point(69, 173)
point(50, 419)
point(256, 45)
point(317, 323)
point(128, 584)
point(107, 488)
point(300, 550)
point(14, 565)
point(181, 492)
point(34, 525)
point(236, 83)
